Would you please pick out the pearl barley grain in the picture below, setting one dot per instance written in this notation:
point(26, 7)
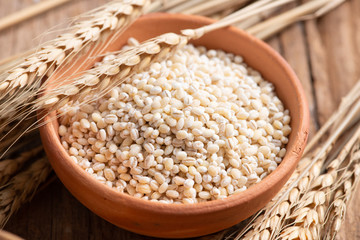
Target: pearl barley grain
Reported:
point(199, 126)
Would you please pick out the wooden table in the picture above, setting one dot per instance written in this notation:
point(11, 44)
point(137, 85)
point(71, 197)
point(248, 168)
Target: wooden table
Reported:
point(324, 53)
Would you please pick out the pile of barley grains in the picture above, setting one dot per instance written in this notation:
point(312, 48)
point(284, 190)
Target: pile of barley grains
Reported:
point(196, 127)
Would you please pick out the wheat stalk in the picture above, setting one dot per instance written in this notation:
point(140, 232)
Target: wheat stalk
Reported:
point(252, 10)
point(29, 12)
point(113, 16)
point(272, 219)
point(325, 9)
point(23, 82)
point(210, 7)
point(16, 82)
point(268, 224)
point(17, 105)
point(119, 68)
point(273, 25)
point(105, 77)
point(338, 207)
point(113, 72)
point(21, 188)
point(310, 210)
point(20, 85)
point(343, 189)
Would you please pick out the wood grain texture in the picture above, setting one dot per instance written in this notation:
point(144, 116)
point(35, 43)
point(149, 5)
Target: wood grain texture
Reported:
point(295, 52)
point(324, 53)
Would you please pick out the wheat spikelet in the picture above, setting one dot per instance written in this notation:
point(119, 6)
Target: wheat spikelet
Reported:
point(241, 16)
point(9, 167)
point(341, 198)
point(107, 78)
point(308, 177)
point(343, 190)
point(105, 73)
point(15, 108)
point(23, 82)
point(301, 211)
point(269, 224)
point(112, 17)
point(21, 188)
point(112, 73)
point(310, 210)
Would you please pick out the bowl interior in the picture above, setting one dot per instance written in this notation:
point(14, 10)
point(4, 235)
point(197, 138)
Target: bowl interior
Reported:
point(90, 192)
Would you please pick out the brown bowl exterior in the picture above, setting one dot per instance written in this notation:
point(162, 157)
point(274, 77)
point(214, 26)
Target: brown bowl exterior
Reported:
point(178, 220)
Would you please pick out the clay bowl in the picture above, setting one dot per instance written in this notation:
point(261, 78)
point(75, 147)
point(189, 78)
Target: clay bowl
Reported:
point(178, 220)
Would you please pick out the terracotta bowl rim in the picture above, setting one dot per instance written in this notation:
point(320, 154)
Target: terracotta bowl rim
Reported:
point(289, 161)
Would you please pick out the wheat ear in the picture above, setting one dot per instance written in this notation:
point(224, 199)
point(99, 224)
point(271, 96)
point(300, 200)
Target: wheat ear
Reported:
point(270, 221)
point(21, 85)
point(342, 196)
point(343, 190)
point(102, 78)
point(21, 188)
point(23, 82)
point(9, 167)
point(268, 225)
point(310, 210)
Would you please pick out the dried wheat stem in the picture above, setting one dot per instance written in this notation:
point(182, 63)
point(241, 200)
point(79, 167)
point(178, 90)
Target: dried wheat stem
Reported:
point(249, 22)
point(327, 8)
point(210, 7)
point(185, 5)
point(275, 24)
point(237, 17)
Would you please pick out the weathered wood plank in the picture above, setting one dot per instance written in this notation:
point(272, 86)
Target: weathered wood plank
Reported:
point(324, 101)
point(351, 227)
point(339, 41)
point(295, 52)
